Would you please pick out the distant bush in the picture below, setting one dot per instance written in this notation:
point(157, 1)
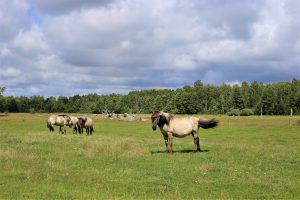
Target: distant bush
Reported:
point(247, 112)
point(32, 110)
point(234, 112)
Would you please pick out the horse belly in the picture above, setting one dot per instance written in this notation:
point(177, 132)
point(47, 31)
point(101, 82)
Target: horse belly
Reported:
point(180, 135)
point(182, 130)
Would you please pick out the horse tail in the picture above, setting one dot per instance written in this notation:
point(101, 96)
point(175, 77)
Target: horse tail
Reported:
point(207, 123)
point(49, 125)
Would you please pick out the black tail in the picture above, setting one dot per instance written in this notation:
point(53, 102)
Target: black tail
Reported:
point(207, 123)
point(51, 128)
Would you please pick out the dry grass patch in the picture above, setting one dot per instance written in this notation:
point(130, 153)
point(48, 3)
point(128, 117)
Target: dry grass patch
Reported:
point(4, 154)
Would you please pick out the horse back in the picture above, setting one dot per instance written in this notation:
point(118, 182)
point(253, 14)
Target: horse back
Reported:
point(57, 120)
point(89, 122)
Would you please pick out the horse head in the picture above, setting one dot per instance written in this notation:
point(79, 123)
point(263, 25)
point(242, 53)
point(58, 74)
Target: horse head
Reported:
point(160, 118)
point(155, 119)
point(69, 121)
point(82, 120)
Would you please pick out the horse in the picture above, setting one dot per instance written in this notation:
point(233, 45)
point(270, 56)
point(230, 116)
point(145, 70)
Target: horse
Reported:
point(171, 126)
point(74, 123)
point(59, 120)
point(87, 123)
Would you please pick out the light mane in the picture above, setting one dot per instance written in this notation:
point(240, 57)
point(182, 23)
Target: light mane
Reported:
point(168, 116)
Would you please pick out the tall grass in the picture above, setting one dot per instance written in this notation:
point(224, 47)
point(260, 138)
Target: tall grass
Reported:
point(246, 157)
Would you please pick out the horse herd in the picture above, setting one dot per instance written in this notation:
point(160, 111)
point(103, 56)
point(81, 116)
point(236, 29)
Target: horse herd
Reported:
point(78, 123)
point(169, 125)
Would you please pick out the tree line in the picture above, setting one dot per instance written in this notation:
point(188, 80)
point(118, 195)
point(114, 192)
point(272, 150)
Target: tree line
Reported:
point(272, 99)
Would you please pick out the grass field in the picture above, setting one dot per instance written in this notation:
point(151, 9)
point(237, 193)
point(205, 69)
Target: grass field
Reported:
point(246, 157)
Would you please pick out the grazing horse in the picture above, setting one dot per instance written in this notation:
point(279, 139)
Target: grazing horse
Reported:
point(171, 126)
point(59, 120)
point(74, 123)
point(87, 123)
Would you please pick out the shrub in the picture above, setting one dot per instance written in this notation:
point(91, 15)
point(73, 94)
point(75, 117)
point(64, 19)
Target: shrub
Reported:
point(247, 112)
point(234, 112)
point(32, 110)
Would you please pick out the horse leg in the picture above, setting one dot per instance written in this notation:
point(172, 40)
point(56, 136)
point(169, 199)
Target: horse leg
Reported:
point(51, 128)
point(166, 143)
point(196, 142)
point(90, 130)
point(170, 143)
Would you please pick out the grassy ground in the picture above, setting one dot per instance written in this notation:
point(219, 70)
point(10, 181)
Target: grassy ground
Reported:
point(246, 157)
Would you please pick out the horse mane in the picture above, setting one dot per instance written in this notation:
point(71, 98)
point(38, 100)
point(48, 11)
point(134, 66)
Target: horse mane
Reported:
point(167, 117)
point(84, 119)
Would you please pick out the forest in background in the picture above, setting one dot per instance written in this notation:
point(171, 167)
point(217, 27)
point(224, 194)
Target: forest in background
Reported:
point(270, 99)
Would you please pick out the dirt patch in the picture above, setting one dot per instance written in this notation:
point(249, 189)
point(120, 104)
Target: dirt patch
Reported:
point(7, 154)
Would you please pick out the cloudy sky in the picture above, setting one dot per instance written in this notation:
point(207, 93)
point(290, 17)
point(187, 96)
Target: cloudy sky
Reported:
point(70, 47)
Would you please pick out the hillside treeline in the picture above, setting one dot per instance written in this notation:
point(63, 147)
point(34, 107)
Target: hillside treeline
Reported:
point(271, 99)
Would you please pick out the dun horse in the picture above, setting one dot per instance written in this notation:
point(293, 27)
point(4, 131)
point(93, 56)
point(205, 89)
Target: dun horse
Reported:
point(59, 120)
point(171, 126)
point(74, 124)
point(87, 123)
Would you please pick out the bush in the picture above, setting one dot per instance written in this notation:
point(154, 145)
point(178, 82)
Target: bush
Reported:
point(247, 112)
point(32, 110)
point(234, 112)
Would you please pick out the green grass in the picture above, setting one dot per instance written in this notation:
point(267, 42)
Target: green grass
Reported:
point(246, 157)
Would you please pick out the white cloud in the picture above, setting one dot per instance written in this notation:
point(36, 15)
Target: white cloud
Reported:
point(5, 53)
point(12, 18)
point(133, 44)
point(125, 44)
point(185, 62)
point(235, 82)
point(31, 42)
point(10, 72)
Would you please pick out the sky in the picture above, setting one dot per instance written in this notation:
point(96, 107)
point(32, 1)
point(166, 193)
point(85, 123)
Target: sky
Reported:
point(69, 47)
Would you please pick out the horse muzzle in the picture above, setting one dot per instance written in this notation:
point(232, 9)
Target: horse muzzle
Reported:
point(154, 128)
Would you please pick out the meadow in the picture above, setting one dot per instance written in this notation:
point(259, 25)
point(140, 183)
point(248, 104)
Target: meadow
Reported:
point(245, 158)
